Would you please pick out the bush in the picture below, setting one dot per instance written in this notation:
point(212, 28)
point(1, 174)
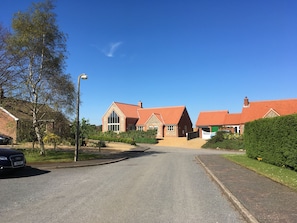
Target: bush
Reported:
point(224, 140)
point(274, 140)
point(130, 137)
point(52, 138)
point(219, 137)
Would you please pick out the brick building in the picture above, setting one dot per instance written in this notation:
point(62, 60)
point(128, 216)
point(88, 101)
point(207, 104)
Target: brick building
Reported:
point(210, 122)
point(169, 121)
point(16, 120)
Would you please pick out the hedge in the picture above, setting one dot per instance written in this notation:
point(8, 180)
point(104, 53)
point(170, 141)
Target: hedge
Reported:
point(273, 140)
point(130, 137)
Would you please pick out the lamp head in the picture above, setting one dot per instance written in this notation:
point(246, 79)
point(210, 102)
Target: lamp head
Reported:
point(84, 76)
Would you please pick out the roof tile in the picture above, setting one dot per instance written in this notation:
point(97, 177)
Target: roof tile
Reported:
point(169, 115)
point(211, 118)
point(257, 110)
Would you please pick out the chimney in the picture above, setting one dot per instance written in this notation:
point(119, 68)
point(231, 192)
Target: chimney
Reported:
point(140, 104)
point(246, 102)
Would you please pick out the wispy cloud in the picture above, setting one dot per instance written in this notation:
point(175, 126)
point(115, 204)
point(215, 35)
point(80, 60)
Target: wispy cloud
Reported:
point(112, 49)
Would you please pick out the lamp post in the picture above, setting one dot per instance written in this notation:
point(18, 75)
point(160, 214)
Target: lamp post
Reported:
point(77, 135)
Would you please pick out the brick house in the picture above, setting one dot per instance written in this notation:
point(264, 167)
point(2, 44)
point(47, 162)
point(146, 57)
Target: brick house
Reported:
point(208, 123)
point(265, 109)
point(16, 120)
point(169, 121)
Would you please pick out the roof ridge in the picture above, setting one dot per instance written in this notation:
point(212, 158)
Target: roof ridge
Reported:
point(116, 102)
point(216, 111)
point(273, 100)
point(178, 106)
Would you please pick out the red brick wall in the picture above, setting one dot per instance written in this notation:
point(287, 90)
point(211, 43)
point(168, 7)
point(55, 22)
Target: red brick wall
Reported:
point(8, 125)
point(185, 124)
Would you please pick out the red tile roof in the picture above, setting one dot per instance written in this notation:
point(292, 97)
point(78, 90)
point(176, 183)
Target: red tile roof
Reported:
point(250, 112)
point(211, 118)
point(232, 119)
point(169, 115)
point(130, 111)
point(257, 110)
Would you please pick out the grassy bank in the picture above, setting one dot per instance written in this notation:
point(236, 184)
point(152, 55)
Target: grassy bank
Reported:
point(33, 156)
point(284, 176)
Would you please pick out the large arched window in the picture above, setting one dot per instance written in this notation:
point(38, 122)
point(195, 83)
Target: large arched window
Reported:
point(113, 122)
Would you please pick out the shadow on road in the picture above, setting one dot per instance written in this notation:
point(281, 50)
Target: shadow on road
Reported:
point(25, 172)
point(134, 154)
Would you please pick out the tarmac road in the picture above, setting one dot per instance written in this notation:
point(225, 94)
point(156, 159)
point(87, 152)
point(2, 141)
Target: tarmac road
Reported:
point(162, 185)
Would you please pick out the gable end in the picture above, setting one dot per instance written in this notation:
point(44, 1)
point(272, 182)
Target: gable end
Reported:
point(271, 113)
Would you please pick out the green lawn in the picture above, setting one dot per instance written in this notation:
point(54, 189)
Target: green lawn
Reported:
point(56, 156)
point(278, 174)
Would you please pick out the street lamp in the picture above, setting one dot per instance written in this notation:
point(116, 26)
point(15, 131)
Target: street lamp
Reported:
point(84, 77)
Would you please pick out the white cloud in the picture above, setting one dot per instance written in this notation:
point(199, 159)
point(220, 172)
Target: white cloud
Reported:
point(112, 48)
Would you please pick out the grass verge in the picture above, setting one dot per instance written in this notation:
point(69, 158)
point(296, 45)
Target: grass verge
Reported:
point(284, 176)
point(33, 156)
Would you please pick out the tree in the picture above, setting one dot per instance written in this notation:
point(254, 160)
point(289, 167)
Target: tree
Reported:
point(40, 48)
point(7, 62)
point(85, 128)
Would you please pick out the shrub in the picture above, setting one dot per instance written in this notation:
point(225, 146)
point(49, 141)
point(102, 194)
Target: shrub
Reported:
point(224, 140)
point(130, 137)
point(52, 139)
point(274, 140)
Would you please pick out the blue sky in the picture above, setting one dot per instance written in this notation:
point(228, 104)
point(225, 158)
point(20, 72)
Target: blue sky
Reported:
point(203, 54)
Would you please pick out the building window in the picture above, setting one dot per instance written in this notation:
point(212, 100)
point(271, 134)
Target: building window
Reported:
point(140, 128)
point(114, 122)
point(170, 127)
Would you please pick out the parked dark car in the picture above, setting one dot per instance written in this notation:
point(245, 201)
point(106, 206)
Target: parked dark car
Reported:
point(11, 159)
point(5, 140)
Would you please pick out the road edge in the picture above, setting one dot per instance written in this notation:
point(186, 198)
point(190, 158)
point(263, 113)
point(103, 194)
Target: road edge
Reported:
point(244, 212)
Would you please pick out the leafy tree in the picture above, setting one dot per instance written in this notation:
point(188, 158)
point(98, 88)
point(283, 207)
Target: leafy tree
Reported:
point(40, 48)
point(85, 128)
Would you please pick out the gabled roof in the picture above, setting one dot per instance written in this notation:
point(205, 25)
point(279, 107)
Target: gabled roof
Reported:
point(208, 118)
point(8, 113)
point(158, 116)
point(22, 110)
point(168, 115)
point(130, 111)
point(257, 110)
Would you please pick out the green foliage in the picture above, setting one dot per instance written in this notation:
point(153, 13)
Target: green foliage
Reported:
point(87, 131)
point(40, 48)
point(56, 156)
point(219, 137)
point(224, 140)
point(274, 140)
point(130, 137)
point(52, 139)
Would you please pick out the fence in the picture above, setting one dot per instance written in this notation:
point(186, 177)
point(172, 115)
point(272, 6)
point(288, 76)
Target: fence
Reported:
point(192, 135)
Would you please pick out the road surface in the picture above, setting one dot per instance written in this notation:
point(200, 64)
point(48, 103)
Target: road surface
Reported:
point(162, 185)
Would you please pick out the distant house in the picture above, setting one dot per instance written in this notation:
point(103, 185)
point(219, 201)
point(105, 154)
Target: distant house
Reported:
point(265, 109)
point(16, 120)
point(208, 123)
point(169, 121)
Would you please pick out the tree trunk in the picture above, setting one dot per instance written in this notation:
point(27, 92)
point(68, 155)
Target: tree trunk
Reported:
point(37, 132)
point(40, 140)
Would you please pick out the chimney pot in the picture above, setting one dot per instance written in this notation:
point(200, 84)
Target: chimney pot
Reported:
point(246, 102)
